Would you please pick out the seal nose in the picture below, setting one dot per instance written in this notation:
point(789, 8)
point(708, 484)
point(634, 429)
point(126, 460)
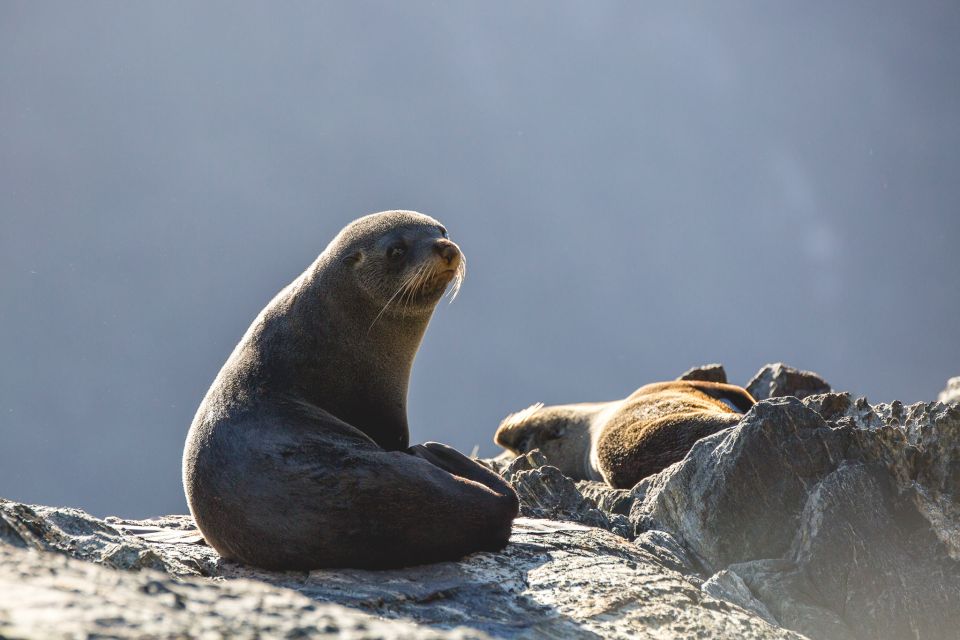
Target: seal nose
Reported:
point(447, 250)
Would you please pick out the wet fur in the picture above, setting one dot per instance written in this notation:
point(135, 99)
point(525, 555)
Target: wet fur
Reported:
point(624, 441)
point(298, 456)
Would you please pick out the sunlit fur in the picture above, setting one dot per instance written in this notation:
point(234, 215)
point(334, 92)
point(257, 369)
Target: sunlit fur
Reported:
point(520, 417)
point(623, 441)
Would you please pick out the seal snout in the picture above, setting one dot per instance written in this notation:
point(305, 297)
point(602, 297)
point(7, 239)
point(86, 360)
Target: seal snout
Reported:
point(448, 252)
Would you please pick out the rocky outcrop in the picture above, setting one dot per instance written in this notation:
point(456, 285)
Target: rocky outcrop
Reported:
point(546, 493)
point(840, 518)
point(555, 579)
point(952, 391)
point(47, 595)
point(823, 516)
point(778, 380)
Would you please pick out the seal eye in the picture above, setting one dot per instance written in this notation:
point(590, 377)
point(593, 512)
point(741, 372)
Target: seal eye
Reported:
point(443, 231)
point(396, 251)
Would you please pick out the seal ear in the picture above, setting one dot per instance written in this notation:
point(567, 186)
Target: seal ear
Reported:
point(353, 257)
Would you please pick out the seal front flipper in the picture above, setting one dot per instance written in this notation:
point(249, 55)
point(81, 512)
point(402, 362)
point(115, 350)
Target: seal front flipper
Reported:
point(454, 462)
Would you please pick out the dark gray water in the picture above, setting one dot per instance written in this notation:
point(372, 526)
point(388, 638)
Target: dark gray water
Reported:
point(638, 188)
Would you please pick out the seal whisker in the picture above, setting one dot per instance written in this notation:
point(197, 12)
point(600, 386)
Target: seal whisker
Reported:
point(401, 288)
point(458, 279)
point(422, 276)
point(415, 286)
point(408, 288)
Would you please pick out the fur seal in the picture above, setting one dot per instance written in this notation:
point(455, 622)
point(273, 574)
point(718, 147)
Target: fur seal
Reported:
point(624, 441)
point(298, 456)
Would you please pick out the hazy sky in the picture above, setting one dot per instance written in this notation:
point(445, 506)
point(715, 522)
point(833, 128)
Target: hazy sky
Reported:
point(638, 188)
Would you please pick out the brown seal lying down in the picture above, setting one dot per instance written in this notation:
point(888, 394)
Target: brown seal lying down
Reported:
point(624, 441)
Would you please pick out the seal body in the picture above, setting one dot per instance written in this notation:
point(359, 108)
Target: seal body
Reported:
point(298, 456)
point(624, 441)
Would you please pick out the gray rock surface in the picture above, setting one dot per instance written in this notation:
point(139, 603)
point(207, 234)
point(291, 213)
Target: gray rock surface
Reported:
point(840, 518)
point(52, 596)
point(607, 499)
point(555, 579)
point(727, 585)
point(544, 492)
point(706, 372)
point(669, 553)
point(952, 391)
point(778, 380)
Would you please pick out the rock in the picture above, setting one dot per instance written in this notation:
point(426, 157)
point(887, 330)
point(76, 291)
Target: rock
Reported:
point(555, 579)
point(865, 556)
point(729, 586)
point(668, 552)
point(918, 445)
point(843, 409)
point(778, 380)
point(524, 462)
point(707, 373)
point(776, 581)
point(51, 596)
point(738, 494)
point(74, 532)
point(544, 492)
point(609, 500)
point(952, 391)
point(840, 518)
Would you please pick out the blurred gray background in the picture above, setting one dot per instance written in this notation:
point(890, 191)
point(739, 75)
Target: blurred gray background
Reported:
point(638, 188)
